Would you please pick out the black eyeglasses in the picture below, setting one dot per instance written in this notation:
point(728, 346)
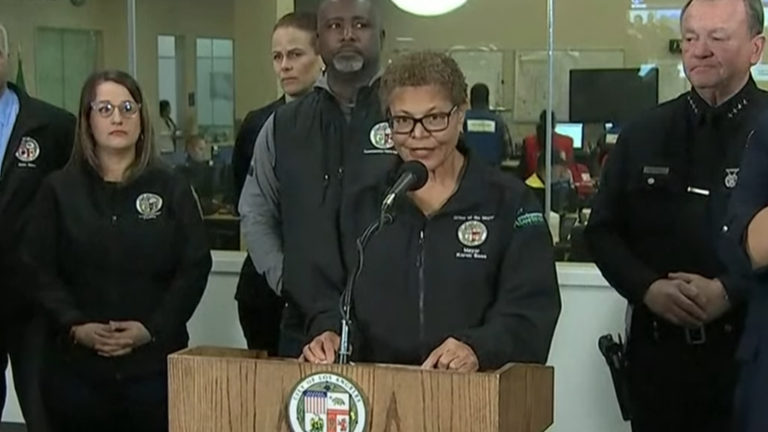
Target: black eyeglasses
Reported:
point(432, 122)
point(107, 109)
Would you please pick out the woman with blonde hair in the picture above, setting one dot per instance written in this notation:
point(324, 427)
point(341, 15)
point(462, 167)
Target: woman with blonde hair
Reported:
point(121, 261)
point(297, 65)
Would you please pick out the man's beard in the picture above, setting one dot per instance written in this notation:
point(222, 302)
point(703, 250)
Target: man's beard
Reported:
point(348, 62)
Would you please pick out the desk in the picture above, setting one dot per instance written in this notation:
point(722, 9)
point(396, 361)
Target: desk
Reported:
point(510, 163)
point(222, 217)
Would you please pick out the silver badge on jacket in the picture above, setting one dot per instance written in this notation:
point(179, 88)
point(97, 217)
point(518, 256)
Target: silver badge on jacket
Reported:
point(731, 177)
point(381, 136)
point(472, 233)
point(148, 205)
point(28, 151)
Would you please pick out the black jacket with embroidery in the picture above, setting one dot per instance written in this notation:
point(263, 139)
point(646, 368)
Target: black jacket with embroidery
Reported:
point(40, 143)
point(322, 153)
point(481, 270)
point(107, 252)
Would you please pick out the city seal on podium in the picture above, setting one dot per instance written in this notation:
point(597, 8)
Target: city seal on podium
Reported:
point(327, 402)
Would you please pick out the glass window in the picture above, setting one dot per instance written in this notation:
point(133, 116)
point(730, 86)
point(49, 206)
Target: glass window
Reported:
point(564, 80)
point(187, 54)
point(166, 46)
point(215, 90)
point(64, 58)
point(221, 49)
point(167, 73)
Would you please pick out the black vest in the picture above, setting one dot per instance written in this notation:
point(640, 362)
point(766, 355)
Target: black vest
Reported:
point(320, 158)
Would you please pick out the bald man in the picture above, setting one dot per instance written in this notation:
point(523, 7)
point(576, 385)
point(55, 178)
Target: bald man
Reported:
point(333, 138)
point(35, 139)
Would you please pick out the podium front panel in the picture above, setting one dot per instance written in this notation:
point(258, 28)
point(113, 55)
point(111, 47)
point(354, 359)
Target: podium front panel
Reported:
point(230, 390)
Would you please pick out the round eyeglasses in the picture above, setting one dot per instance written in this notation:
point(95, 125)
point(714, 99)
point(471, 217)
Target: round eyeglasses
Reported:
point(107, 109)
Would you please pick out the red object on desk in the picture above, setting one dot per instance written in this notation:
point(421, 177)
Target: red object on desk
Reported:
point(582, 180)
point(561, 143)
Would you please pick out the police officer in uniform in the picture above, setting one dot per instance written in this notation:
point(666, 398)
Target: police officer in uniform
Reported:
point(308, 156)
point(656, 220)
point(35, 139)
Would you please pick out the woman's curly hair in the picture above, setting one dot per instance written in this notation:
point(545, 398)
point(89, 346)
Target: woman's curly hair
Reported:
point(424, 68)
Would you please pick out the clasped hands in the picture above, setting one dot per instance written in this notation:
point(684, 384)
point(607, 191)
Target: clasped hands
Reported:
point(687, 299)
point(451, 355)
point(115, 339)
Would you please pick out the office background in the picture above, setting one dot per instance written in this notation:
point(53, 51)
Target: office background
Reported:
point(60, 43)
point(211, 59)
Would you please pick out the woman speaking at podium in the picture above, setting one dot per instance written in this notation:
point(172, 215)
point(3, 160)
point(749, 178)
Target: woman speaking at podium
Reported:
point(462, 276)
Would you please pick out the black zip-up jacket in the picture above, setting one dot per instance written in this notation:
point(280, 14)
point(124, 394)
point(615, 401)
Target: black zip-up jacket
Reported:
point(106, 252)
point(310, 155)
point(51, 131)
point(481, 270)
point(663, 197)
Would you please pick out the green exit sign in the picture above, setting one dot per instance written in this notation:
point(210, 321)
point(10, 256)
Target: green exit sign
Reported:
point(676, 46)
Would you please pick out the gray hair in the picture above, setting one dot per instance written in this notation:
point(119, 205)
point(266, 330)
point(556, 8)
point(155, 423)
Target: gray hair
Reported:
point(4, 50)
point(755, 15)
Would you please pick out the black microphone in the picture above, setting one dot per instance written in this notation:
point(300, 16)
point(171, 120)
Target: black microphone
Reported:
point(413, 176)
point(345, 303)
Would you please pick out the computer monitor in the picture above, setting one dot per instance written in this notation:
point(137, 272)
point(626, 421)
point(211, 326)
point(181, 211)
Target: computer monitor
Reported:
point(573, 130)
point(612, 95)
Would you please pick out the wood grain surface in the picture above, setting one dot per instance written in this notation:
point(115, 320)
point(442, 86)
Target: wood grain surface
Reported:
point(231, 390)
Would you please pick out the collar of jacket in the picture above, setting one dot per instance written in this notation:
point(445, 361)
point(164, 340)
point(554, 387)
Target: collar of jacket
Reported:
point(25, 100)
point(472, 188)
point(90, 172)
point(703, 112)
point(322, 82)
point(95, 176)
point(33, 114)
point(19, 92)
point(372, 86)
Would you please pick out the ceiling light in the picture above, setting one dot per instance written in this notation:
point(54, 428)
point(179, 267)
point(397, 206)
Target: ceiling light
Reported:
point(429, 7)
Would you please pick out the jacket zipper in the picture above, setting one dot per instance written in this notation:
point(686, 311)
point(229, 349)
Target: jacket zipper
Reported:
point(420, 266)
point(326, 183)
point(113, 223)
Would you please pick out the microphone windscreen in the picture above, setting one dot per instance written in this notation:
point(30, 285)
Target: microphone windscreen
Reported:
point(419, 172)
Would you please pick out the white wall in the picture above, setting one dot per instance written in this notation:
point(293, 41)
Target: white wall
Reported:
point(584, 397)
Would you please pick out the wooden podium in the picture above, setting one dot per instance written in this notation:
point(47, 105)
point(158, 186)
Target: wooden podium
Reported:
point(231, 390)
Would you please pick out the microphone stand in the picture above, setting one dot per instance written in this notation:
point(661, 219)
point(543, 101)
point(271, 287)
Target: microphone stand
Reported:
point(345, 348)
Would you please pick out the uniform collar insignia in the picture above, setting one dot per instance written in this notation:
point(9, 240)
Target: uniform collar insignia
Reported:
point(703, 112)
